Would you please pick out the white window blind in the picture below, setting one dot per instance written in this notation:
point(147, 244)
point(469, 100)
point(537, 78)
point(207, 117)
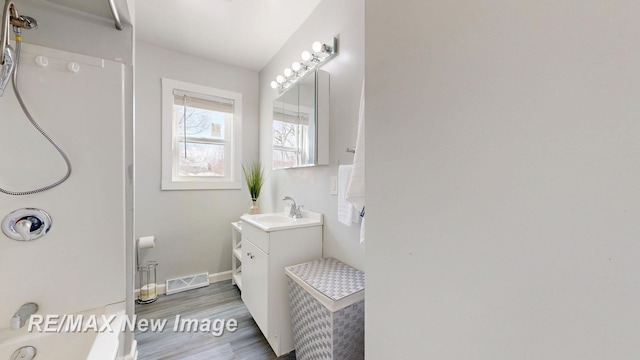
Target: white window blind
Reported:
point(203, 101)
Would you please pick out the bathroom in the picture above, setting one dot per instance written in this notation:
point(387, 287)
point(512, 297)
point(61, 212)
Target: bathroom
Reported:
point(501, 177)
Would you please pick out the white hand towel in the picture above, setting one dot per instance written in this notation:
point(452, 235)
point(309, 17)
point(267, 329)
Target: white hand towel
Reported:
point(355, 190)
point(347, 214)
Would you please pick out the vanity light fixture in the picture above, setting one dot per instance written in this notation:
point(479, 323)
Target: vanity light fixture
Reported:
point(296, 66)
point(307, 56)
point(322, 52)
point(321, 48)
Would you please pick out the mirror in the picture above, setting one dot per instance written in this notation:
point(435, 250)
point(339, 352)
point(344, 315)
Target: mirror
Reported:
point(301, 123)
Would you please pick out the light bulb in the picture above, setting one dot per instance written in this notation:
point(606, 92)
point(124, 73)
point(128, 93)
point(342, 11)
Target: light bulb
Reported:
point(288, 72)
point(296, 66)
point(317, 46)
point(280, 79)
point(274, 84)
point(306, 56)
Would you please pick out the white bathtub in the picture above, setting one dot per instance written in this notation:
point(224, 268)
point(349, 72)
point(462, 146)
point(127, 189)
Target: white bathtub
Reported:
point(88, 345)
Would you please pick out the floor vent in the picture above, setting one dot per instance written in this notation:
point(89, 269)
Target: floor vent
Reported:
point(187, 283)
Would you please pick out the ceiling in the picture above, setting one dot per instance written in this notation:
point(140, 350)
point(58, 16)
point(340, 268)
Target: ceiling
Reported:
point(243, 33)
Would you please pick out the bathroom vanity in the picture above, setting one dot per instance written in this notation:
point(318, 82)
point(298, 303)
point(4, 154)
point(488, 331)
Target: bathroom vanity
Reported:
point(271, 242)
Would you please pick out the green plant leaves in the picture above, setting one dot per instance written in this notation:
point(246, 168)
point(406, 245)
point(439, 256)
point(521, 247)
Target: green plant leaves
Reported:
point(254, 175)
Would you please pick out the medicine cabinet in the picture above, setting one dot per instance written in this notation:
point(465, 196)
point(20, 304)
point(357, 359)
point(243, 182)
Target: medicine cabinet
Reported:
point(301, 123)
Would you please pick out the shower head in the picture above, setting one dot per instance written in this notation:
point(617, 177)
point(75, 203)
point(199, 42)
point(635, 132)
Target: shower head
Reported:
point(10, 16)
point(24, 21)
point(7, 68)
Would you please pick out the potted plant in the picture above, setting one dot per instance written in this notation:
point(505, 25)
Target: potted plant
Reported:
point(254, 175)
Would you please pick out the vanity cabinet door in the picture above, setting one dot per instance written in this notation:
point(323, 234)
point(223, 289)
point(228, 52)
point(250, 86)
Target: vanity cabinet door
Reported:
point(255, 275)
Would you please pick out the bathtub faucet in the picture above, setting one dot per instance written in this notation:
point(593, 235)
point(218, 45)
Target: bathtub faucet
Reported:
point(22, 315)
point(295, 210)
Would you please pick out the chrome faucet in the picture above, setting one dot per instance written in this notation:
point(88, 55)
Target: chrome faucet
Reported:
point(295, 210)
point(22, 315)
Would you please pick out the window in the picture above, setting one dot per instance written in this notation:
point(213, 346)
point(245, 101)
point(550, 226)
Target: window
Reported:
point(201, 137)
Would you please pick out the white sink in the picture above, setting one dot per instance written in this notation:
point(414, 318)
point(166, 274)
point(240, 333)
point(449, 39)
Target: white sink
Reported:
point(273, 219)
point(280, 221)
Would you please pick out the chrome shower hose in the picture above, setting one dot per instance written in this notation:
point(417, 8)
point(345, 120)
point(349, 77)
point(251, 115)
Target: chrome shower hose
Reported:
point(35, 124)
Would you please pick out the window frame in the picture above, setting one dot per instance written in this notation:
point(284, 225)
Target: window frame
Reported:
point(170, 178)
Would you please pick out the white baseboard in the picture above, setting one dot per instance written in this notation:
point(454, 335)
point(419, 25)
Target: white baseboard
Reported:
point(213, 278)
point(221, 276)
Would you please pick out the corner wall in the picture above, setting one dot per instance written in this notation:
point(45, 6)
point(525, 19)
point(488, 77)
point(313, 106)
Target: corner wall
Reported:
point(311, 186)
point(502, 180)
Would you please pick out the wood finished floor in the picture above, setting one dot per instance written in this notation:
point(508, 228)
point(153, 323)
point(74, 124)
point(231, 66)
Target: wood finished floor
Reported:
point(217, 301)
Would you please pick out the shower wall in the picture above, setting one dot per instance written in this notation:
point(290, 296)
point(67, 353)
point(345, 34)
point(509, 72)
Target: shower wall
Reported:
point(77, 32)
point(80, 264)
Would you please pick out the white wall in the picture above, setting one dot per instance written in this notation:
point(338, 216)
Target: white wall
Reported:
point(192, 228)
point(502, 180)
point(311, 186)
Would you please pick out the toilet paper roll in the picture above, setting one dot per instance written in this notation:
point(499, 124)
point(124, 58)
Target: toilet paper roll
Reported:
point(145, 242)
point(148, 292)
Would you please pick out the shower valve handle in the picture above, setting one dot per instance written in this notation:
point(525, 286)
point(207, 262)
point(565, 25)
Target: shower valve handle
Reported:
point(23, 227)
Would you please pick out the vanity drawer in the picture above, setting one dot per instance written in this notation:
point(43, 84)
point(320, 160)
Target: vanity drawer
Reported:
point(258, 237)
